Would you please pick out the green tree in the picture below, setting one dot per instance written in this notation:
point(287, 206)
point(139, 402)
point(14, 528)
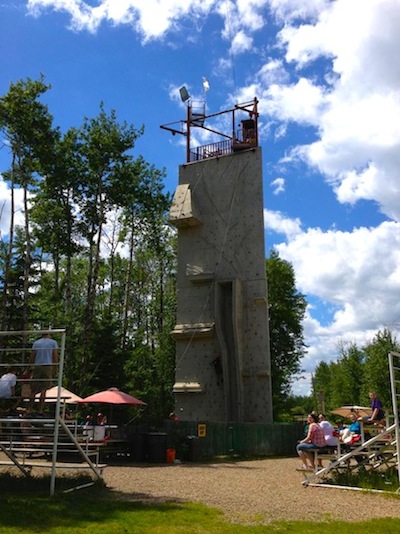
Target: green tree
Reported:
point(347, 376)
point(322, 387)
point(95, 254)
point(376, 368)
point(286, 312)
point(53, 213)
point(26, 124)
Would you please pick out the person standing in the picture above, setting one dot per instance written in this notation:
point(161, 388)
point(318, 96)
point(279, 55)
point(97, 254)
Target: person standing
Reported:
point(44, 354)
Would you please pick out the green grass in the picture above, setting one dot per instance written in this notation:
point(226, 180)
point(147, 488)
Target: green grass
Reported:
point(77, 514)
point(26, 510)
point(385, 481)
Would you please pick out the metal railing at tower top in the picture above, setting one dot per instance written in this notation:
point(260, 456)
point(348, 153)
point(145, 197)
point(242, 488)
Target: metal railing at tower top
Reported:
point(239, 133)
point(211, 150)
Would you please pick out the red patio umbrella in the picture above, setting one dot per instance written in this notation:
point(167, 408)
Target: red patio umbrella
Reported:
point(112, 396)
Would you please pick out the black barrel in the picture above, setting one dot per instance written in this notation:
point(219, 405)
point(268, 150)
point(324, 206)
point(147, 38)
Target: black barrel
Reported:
point(156, 447)
point(137, 447)
point(193, 443)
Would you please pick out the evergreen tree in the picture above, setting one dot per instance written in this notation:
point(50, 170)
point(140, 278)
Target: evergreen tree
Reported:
point(26, 124)
point(322, 386)
point(348, 376)
point(376, 368)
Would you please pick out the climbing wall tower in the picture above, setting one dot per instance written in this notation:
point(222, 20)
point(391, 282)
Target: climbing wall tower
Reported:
point(221, 333)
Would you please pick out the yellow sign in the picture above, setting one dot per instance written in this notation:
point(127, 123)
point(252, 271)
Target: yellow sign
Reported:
point(201, 430)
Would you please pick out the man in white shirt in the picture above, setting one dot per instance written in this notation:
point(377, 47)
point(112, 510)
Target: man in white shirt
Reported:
point(328, 430)
point(330, 439)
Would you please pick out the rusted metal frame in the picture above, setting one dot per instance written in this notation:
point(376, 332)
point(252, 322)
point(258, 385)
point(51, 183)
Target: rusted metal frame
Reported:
point(247, 107)
point(173, 130)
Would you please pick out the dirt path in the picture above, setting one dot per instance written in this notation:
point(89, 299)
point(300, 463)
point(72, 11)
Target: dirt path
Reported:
point(258, 491)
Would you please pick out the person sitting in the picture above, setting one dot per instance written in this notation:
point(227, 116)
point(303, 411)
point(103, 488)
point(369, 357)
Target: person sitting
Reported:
point(313, 441)
point(7, 388)
point(352, 434)
point(331, 441)
point(378, 415)
point(8, 382)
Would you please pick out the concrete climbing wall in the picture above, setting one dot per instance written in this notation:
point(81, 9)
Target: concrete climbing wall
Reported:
point(222, 340)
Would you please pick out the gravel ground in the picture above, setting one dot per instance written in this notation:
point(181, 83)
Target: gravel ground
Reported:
point(257, 491)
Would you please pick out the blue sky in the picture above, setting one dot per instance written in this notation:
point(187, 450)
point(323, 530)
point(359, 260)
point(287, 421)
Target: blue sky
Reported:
point(327, 77)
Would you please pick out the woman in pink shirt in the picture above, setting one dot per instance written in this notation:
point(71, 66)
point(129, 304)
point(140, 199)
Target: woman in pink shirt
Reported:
point(314, 440)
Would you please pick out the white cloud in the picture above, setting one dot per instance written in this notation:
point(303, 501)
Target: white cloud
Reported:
point(273, 72)
point(288, 10)
point(278, 185)
point(5, 208)
point(358, 271)
point(276, 222)
point(356, 113)
point(241, 43)
point(302, 102)
point(140, 14)
point(240, 18)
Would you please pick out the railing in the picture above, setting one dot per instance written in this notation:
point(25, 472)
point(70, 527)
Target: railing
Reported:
point(245, 137)
point(213, 150)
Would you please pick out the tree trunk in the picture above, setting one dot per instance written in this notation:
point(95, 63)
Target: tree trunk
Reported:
point(28, 261)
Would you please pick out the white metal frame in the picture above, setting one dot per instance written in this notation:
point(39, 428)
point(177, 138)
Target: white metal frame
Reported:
point(57, 421)
point(394, 372)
